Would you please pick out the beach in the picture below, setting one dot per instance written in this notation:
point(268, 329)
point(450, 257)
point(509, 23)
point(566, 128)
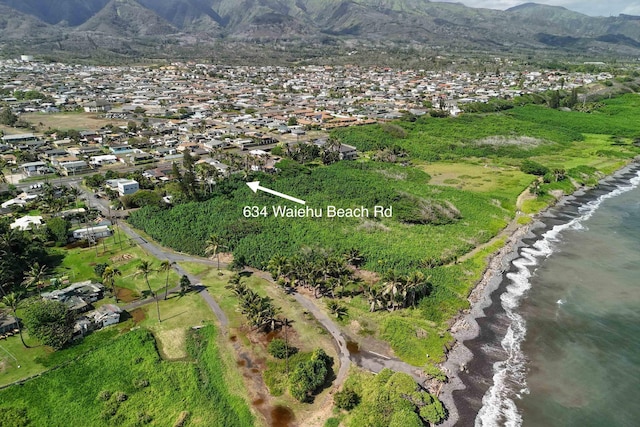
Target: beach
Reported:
point(486, 362)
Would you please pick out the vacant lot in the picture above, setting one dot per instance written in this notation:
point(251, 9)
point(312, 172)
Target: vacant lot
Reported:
point(67, 121)
point(127, 383)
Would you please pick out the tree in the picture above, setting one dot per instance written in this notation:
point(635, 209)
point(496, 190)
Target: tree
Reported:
point(166, 266)
point(214, 243)
point(58, 230)
point(49, 321)
point(12, 301)
point(185, 284)
point(346, 399)
point(109, 275)
point(280, 349)
point(310, 375)
point(337, 309)
point(144, 269)
point(374, 297)
point(7, 117)
point(35, 277)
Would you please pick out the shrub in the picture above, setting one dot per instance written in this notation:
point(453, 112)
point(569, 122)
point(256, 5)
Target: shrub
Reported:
point(104, 395)
point(533, 168)
point(309, 376)
point(279, 349)
point(120, 396)
point(346, 399)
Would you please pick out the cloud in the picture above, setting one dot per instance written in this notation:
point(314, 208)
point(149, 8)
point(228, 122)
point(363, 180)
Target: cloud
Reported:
point(588, 7)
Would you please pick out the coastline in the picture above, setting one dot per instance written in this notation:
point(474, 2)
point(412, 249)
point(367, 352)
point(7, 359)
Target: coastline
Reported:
point(472, 327)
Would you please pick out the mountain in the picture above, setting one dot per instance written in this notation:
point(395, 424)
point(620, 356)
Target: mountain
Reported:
point(192, 27)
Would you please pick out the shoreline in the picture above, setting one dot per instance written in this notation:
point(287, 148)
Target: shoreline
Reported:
point(483, 298)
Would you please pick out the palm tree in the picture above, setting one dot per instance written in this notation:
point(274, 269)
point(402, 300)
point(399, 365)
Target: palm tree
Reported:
point(374, 297)
point(214, 243)
point(393, 289)
point(109, 278)
point(354, 257)
point(166, 267)
point(144, 269)
point(417, 287)
point(336, 309)
point(35, 277)
point(278, 266)
point(75, 193)
point(12, 301)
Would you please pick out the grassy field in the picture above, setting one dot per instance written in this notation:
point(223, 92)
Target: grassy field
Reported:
point(177, 314)
point(38, 358)
point(135, 388)
point(67, 121)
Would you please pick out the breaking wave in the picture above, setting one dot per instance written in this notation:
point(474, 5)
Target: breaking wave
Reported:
point(509, 379)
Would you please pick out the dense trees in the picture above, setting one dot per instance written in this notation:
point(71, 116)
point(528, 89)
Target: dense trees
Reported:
point(260, 311)
point(19, 250)
point(7, 117)
point(186, 227)
point(317, 269)
point(49, 321)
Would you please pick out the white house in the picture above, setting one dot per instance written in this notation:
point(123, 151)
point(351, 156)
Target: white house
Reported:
point(27, 222)
point(123, 185)
point(106, 159)
point(128, 186)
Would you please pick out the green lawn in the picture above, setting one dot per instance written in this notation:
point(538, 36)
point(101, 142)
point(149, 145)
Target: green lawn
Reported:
point(78, 264)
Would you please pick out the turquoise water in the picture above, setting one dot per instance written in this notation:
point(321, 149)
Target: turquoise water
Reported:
point(582, 314)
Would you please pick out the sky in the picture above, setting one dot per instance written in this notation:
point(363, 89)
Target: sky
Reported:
point(588, 7)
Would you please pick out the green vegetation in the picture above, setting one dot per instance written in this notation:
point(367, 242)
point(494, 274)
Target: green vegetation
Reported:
point(49, 321)
point(134, 388)
point(280, 349)
point(453, 184)
point(308, 377)
point(388, 399)
point(384, 243)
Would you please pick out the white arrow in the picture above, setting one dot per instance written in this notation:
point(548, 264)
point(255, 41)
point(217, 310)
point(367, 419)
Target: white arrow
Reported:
point(255, 186)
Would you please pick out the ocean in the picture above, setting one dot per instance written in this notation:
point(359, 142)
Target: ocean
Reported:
point(560, 345)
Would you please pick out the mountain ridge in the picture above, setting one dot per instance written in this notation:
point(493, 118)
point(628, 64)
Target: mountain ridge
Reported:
point(138, 27)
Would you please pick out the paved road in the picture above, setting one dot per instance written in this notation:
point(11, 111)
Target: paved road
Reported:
point(332, 328)
point(366, 359)
point(162, 254)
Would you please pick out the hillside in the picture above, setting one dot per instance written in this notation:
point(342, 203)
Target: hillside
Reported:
point(137, 27)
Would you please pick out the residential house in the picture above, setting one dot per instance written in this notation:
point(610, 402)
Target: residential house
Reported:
point(92, 233)
point(123, 186)
point(27, 222)
point(8, 324)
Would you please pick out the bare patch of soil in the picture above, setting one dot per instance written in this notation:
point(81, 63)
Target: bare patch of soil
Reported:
point(122, 257)
point(138, 315)
point(126, 295)
point(368, 277)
